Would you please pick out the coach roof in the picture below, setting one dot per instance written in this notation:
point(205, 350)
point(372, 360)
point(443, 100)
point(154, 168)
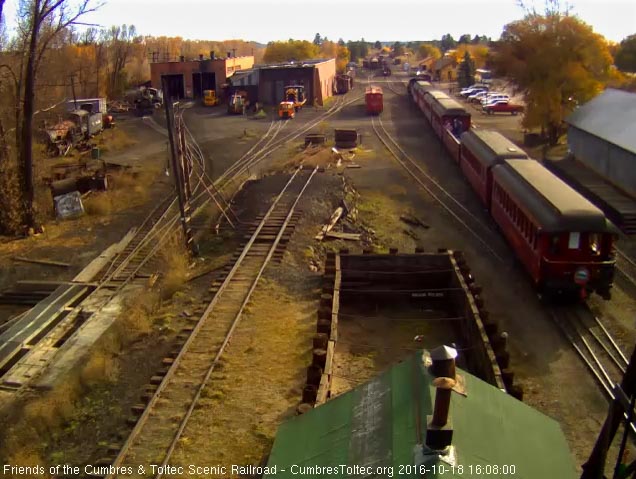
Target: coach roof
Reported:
point(491, 146)
point(552, 202)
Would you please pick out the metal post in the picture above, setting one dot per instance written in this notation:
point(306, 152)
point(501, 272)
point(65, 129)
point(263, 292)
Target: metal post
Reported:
point(595, 465)
point(177, 168)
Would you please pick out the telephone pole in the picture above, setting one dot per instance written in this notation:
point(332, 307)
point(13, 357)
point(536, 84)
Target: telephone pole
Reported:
point(178, 170)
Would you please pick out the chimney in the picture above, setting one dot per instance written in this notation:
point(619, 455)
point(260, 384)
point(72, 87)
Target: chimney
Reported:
point(200, 57)
point(443, 362)
point(439, 429)
point(212, 55)
point(181, 58)
point(229, 54)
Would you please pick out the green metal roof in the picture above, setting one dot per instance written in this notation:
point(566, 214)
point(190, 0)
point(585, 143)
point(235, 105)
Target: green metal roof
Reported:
point(383, 422)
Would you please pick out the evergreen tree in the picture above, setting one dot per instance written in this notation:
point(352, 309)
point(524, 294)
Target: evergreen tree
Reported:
point(377, 44)
point(466, 73)
point(317, 39)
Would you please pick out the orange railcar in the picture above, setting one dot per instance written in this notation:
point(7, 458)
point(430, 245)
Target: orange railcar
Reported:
point(374, 100)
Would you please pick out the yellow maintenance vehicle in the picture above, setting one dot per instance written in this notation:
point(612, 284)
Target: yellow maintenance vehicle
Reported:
point(210, 98)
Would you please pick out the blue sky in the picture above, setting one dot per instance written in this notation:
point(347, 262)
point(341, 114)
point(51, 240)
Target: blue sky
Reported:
point(403, 20)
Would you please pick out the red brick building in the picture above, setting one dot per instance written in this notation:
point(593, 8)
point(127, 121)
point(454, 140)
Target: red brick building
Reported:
point(189, 78)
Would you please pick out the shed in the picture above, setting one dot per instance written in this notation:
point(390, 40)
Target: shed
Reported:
point(382, 424)
point(602, 134)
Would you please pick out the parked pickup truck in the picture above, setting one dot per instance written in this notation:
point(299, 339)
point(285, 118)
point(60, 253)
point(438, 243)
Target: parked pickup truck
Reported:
point(502, 107)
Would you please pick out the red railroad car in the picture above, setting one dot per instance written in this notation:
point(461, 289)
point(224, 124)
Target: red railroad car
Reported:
point(449, 114)
point(373, 98)
point(417, 89)
point(430, 98)
point(480, 151)
point(563, 240)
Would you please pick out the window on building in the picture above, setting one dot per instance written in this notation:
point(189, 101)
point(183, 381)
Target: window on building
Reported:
point(594, 240)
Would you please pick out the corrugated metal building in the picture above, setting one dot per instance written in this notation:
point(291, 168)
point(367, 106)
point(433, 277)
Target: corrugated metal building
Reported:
point(602, 134)
point(189, 78)
point(383, 424)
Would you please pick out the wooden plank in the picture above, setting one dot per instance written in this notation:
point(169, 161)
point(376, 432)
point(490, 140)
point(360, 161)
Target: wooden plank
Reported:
point(336, 215)
point(96, 265)
point(345, 236)
point(323, 390)
point(331, 349)
point(44, 262)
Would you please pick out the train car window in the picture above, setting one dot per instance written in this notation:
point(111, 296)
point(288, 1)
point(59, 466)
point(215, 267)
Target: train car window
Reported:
point(594, 241)
point(574, 241)
point(554, 245)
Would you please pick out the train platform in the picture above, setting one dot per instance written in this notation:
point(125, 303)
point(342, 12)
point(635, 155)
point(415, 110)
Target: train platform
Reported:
point(617, 205)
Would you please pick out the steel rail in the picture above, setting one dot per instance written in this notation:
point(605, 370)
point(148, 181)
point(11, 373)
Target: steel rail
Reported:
point(147, 411)
point(430, 191)
point(235, 323)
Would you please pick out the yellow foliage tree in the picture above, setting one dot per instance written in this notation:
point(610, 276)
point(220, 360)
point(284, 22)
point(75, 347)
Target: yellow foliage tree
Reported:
point(478, 53)
point(427, 50)
point(342, 55)
point(290, 50)
point(557, 62)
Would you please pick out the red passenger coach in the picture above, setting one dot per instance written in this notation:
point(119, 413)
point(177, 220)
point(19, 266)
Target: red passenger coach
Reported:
point(430, 98)
point(563, 240)
point(448, 113)
point(480, 151)
point(373, 97)
point(418, 90)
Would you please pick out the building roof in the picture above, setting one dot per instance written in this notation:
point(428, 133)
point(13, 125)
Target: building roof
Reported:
point(444, 62)
point(609, 116)
point(491, 147)
point(549, 200)
point(383, 423)
point(296, 64)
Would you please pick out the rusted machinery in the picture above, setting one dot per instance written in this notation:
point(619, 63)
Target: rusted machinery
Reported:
point(73, 131)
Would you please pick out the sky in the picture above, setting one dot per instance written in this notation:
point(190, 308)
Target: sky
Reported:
point(390, 20)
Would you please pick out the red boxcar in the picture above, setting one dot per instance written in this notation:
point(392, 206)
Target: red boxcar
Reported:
point(563, 240)
point(373, 97)
point(480, 151)
point(448, 113)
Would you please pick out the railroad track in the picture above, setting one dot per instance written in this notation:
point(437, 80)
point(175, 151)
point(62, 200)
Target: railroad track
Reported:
point(166, 415)
point(483, 233)
point(594, 345)
point(626, 267)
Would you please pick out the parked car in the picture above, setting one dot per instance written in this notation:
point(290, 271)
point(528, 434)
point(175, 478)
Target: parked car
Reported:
point(477, 97)
point(495, 98)
point(502, 107)
point(472, 91)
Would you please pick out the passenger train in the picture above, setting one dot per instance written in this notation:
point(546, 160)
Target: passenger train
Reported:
point(563, 241)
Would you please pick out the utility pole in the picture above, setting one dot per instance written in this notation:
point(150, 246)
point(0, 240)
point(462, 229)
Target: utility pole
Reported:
point(176, 153)
point(73, 90)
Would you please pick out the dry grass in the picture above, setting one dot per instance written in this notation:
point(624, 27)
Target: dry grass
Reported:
point(114, 139)
point(259, 384)
point(136, 318)
point(175, 264)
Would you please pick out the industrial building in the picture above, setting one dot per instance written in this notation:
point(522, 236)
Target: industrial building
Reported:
point(188, 78)
point(317, 76)
point(602, 135)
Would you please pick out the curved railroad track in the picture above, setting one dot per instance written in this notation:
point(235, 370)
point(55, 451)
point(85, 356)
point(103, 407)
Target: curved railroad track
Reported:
point(161, 425)
point(483, 233)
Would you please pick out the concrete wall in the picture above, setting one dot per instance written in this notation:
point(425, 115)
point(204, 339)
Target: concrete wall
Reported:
point(610, 161)
point(221, 67)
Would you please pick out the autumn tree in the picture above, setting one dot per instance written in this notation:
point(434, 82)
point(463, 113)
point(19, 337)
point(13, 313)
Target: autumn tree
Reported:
point(340, 53)
point(556, 61)
point(625, 58)
point(426, 50)
point(290, 50)
point(40, 22)
point(398, 49)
